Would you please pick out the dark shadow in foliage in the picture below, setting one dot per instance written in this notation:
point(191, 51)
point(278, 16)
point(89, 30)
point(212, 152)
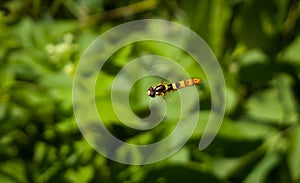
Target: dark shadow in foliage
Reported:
point(249, 26)
point(179, 173)
point(110, 68)
point(123, 133)
point(222, 146)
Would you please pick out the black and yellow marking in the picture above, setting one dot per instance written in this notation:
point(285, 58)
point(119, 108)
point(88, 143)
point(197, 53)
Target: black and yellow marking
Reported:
point(162, 89)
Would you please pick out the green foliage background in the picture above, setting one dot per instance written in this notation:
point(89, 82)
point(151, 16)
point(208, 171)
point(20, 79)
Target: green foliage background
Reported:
point(256, 42)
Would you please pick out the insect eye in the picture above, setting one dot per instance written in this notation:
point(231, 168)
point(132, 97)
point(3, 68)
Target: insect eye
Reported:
point(151, 92)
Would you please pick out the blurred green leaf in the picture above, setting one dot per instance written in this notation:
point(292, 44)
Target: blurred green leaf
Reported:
point(210, 21)
point(33, 98)
point(253, 56)
point(230, 167)
point(13, 171)
point(293, 158)
point(275, 104)
point(40, 152)
point(7, 75)
point(102, 90)
point(246, 129)
point(37, 35)
point(265, 106)
point(181, 157)
point(290, 53)
point(220, 14)
point(3, 110)
point(231, 99)
point(83, 174)
point(59, 86)
point(202, 122)
point(263, 168)
point(287, 98)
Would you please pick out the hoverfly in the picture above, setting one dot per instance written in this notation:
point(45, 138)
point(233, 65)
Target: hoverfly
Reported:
point(162, 89)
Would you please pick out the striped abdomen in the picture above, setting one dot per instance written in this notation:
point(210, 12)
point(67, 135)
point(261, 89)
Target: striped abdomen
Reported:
point(184, 83)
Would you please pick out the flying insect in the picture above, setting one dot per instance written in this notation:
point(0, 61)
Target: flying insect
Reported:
point(163, 89)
